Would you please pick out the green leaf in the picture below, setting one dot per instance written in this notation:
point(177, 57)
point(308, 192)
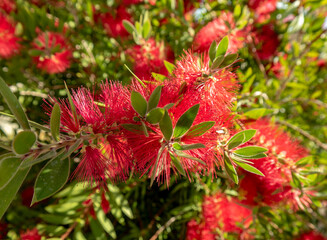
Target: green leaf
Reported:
point(32, 161)
point(217, 61)
point(144, 129)
point(257, 156)
point(133, 128)
point(159, 77)
point(166, 126)
point(8, 193)
point(71, 103)
point(228, 60)
point(248, 167)
point(155, 168)
point(200, 129)
point(97, 230)
point(23, 141)
point(237, 11)
point(168, 106)
point(129, 26)
point(55, 122)
point(155, 115)
point(185, 155)
point(106, 223)
point(139, 104)
point(9, 166)
point(250, 151)
point(177, 164)
point(51, 179)
point(222, 47)
point(241, 138)
point(258, 113)
point(13, 104)
point(154, 98)
point(184, 147)
point(185, 121)
point(296, 180)
point(169, 66)
point(146, 31)
point(230, 169)
point(137, 78)
point(212, 50)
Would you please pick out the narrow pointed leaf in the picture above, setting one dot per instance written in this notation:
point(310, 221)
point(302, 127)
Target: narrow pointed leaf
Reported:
point(23, 141)
point(9, 166)
point(51, 178)
point(55, 122)
point(159, 77)
point(234, 141)
point(228, 60)
point(166, 126)
point(106, 224)
point(8, 193)
point(13, 104)
point(184, 147)
point(248, 168)
point(217, 61)
point(129, 26)
point(168, 106)
point(212, 51)
point(155, 115)
point(200, 129)
point(185, 121)
point(71, 103)
point(177, 164)
point(185, 155)
point(154, 98)
point(222, 47)
point(133, 128)
point(139, 104)
point(144, 129)
point(230, 169)
point(257, 156)
point(169, 66)
point(250, 151)
point(146, 31)
point(137, 78)
point(155, 168)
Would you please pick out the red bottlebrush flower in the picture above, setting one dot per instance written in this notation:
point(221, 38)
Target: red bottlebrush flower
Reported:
point(104, 203)
point(27, 196)
point(55, 52)
point(220, 212)
point(216, 30)
point(262, 8)
point(30, 235)
point(88, 204)
point(113, 23)
point(194, 82)
point(312, 235)
point(9, 45)
point(267, 40)
point(8, 6)
point(149, 57)
point(275, 186)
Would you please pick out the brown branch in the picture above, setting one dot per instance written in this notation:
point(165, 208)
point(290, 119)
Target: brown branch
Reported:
point(304, 133)
point(287, 78)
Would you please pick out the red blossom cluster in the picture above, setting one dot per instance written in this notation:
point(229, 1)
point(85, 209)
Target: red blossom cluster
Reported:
point(30, 235)
point(216, 30)
point(275, 187)
point(262, 9)
point(9, 42)
point(312, 235)
point(110, 150)
point(220, 214)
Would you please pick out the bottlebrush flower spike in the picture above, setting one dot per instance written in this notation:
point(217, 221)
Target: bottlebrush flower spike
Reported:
point(312, 235)
point(52, 52)
point(282, 154)
point(30, 235)
point(8, 6)
point(149, 57)
point(113, 23)
point(196, 82)
point(216, 30)
point(262, 8)
point(223, 214)
point(9, 45)
point(267, 40)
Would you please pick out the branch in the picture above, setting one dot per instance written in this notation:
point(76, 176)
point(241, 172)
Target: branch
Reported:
point(304, 133)
point(287, 78)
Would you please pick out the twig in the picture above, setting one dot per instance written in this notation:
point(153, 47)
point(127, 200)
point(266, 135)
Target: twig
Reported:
point(287, 78)
point(34, 94)
point(304, 133)
point(167, 224)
